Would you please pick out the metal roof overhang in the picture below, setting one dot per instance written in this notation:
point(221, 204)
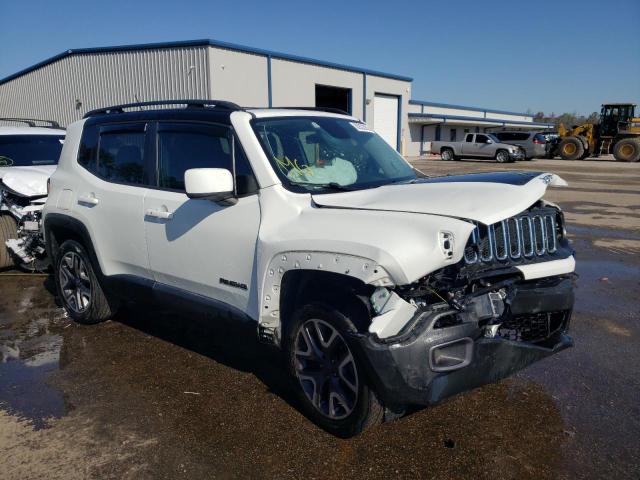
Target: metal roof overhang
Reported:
point(423, 119)
point(427, 119)
point(537, 126)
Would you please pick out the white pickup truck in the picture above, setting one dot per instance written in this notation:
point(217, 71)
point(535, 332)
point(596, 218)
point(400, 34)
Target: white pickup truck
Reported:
point(478, 145)
point(383, 287)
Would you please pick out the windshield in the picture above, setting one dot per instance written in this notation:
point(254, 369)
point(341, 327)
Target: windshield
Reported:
point(325, 153)
point(493, 137)
point(30, 150)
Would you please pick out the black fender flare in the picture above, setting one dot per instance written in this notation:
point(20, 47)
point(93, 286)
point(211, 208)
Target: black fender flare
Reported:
point(59, 227)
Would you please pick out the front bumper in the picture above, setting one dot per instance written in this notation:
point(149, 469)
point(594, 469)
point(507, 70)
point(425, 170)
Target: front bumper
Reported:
point(432, 361)
point(517, 155)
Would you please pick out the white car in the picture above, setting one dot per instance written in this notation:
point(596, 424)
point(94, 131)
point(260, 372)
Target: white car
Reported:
point(383, 287)
point(28, 157)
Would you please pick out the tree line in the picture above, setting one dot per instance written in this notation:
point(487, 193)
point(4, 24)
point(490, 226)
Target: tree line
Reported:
point(567, 119)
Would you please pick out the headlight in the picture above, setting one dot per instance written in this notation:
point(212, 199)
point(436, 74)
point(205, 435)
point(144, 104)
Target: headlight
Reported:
point(379, 299)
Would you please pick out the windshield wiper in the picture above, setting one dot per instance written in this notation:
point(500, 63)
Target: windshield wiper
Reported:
point(330, 186)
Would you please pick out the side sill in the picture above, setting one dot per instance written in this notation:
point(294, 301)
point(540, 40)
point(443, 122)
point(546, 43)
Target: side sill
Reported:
point(144, 290)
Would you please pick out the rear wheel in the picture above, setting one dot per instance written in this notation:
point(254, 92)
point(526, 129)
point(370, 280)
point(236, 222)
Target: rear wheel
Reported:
point(627, 150)
point(502, 156)
point(571, 148)
point(329, 379)
point(78, 287)
point(8, 230)
point(447, 155)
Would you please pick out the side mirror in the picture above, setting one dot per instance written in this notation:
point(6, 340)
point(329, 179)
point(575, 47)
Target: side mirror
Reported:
point(214, 184)
point(489, 141)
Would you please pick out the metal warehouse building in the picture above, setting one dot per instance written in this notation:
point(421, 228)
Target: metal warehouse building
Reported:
point(66, 86)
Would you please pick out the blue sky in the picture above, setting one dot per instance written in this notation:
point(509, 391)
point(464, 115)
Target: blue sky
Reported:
point(554, 56)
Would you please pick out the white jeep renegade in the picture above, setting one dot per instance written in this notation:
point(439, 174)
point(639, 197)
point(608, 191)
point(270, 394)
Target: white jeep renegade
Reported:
point(384, 288)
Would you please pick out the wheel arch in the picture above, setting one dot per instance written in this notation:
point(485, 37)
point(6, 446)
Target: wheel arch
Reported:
point(293, 279)
point(58, 228)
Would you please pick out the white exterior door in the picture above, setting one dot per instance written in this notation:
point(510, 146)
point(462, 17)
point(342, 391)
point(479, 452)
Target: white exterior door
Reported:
point(199, 245)
point(385, 117)
point(109, 195)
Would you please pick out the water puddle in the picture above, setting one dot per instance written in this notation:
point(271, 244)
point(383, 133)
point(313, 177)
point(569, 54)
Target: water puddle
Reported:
point(30, 343)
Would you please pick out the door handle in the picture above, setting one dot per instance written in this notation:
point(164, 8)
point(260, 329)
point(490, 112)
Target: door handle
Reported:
point(88, 199)
point(163, 214)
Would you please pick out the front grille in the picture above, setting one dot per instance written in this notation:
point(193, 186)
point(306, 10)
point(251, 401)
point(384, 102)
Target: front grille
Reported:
point(533, 233)
point(534, 327)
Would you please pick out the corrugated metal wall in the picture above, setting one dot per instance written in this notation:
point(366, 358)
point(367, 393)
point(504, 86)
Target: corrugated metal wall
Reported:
point(64, 90)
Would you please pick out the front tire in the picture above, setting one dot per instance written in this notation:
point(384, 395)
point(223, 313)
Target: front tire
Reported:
point(8, 230)
point(571, 148)
point(502, 156)
point(78, 286)
point(328, 377)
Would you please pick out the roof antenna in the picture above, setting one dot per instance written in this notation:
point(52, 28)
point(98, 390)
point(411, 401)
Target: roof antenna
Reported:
point(135, 95)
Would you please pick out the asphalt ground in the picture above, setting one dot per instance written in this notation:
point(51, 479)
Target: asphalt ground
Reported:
point(156, 394)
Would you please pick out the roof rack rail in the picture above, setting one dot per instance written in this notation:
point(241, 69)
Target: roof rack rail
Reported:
point(189, 103)
point(32, 122)
point(318, 109)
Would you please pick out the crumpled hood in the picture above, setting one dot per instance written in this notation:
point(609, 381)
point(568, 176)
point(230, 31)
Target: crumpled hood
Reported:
point(483, 197)
point(27, 181)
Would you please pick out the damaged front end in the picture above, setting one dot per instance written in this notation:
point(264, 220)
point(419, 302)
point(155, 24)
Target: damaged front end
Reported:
point(480, 320)
point(27, 247)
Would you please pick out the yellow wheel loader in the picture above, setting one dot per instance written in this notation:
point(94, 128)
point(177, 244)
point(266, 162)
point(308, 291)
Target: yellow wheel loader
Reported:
point(617, 132)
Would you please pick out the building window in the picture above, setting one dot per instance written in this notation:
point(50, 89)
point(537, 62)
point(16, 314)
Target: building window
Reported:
point(466, 130)
point(452, 135)
point(333, 97)
point(477, 129)
point(438, 133)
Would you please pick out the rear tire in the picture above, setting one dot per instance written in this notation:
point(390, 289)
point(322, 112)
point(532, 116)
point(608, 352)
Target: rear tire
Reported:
point(8, 230)
point(571, 148)
point(447, 155)
point(78, 286)
point(321, 352)
point(627, 150)
point(502, 156)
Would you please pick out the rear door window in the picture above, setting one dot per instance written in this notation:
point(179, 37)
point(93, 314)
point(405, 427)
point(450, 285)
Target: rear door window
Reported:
point(116, 153)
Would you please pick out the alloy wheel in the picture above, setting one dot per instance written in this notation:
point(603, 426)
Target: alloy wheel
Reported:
point(75, 284)
point(326, 369)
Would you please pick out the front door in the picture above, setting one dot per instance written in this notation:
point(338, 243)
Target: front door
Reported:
point(482, 146)
point(197, 245)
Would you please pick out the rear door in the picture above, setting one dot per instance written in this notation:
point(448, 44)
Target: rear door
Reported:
point(201, 246)
point(385, 117)
point(109, 194)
